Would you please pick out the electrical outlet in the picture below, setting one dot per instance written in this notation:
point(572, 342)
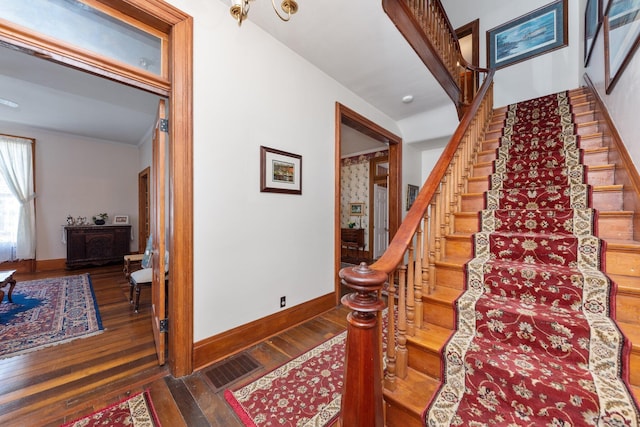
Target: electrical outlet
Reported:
point(283, 301)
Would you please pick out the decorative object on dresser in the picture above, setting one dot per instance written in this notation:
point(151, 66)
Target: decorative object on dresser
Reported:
point(91, 245)
point(100, 219)
point(121, 219)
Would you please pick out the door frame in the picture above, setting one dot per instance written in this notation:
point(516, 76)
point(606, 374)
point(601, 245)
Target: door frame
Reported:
point(179, 28)
point(472, 29)
point(348, 117)
point(144, 208)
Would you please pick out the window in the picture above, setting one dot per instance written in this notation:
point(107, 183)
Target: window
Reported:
point(17, 206)
point(9, 212)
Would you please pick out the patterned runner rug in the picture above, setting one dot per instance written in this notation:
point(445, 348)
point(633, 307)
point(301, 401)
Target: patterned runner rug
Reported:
point(535, 343)
point(303, 392)
point(135, 411)
point(47, 312)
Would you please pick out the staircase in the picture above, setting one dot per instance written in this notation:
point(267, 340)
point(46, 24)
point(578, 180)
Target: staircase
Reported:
point(405, 404)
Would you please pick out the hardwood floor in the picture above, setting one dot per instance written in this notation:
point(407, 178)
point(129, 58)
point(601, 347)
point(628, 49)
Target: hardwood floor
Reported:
point(58, 384)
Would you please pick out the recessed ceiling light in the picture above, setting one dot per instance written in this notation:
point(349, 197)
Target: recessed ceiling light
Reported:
point(407, 99)
point(9, 103)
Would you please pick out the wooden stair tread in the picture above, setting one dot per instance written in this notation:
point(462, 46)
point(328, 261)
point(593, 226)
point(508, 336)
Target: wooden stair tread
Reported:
point(452, 262)
point(443, 294)
point(413, 392)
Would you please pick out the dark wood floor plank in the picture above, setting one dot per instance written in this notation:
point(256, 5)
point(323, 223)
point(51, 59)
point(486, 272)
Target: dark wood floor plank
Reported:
point(59, 384)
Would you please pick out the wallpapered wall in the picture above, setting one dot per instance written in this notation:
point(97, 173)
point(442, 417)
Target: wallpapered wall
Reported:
point(354, 188)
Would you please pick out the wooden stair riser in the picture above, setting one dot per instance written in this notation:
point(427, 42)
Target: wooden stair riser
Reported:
point(397, 416)
point(584, 128)
point(609, 198)
point(619, 260)
point(611, 225)
point(628, 307)
point(583, 115)
point(424, 359)
point(596, 175)
point(592, 156)
point(449, 276)
point(437, 312)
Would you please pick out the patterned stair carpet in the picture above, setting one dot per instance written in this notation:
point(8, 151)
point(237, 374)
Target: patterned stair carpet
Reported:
point(535, 343)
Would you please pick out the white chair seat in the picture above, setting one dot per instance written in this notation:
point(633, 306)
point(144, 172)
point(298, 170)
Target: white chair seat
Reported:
point(142, 276)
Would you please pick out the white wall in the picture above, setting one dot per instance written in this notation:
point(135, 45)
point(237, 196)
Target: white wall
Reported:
point(82, 177)
point(552, 72)
point(623, 103)
point(251, 248)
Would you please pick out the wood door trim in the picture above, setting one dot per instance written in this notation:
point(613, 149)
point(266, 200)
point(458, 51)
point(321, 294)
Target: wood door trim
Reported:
point(179, 27)
point(473, 29)
point(345, 115)
point(144, 204)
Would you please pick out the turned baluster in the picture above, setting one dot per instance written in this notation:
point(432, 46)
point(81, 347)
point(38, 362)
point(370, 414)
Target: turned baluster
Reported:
point(402, 361)
point(411, 303)
point(390, 377)
point(362, 404)
point(417, 281)
point(432, 245)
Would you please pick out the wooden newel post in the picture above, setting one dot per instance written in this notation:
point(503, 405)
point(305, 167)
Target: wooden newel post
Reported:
point(362, 404)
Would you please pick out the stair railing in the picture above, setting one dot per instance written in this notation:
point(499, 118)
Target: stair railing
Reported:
point(407, 271)
point(425, 25)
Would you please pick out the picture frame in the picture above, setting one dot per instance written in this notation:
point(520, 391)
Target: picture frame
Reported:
point(621, 38)
point(592, 23)
point(412, 193)
point(535, 33)
point(120, 219)
point(280, 172)
point(356, 209)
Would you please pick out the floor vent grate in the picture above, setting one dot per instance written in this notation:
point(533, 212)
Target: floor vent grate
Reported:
point(236, 367)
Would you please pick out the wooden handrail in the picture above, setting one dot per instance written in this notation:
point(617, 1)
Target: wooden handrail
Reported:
point(362, 365)
point(398, 246)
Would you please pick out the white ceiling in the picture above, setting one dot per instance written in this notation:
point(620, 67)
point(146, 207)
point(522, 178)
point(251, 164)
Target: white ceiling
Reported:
point(354, 42)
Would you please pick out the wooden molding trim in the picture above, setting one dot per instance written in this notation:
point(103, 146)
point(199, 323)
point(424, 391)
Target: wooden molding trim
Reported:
point(626, 172)
point(219, 346)
point(51, 264)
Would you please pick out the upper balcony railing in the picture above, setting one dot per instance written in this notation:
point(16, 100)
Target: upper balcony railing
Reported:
point(425, 25)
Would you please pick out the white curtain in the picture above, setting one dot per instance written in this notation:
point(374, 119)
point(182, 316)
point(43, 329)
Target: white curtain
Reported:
point(16, 167)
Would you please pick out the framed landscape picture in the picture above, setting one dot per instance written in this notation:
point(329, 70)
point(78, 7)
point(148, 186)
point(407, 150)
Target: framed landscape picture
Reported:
point(530, 35)
point(280, 172)
point(621, 38)
point(356, 209)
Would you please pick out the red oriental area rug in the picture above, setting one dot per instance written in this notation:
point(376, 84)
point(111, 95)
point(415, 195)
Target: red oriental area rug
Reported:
point(535, 342)
point(135, 411)
point(306, 391)
point(303, 392)
point(48, 312)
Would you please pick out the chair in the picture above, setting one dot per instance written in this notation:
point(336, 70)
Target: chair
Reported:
point(144, 276)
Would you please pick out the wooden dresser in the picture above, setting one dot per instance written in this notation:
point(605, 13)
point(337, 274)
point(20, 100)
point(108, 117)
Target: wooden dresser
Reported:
point(352, 238)
point(97, 244)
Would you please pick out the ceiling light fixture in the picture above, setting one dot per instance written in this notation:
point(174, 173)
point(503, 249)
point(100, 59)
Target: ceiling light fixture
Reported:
point(407, 99)
point(240, 9)
point(9, 103)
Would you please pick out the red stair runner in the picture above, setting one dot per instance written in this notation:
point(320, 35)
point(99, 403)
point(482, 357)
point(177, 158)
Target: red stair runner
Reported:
point(535, 343)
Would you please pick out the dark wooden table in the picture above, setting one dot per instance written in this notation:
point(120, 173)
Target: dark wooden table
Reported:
point(6, 278)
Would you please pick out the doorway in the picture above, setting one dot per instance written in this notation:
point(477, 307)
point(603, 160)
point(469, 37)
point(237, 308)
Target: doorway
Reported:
point(144, 208)
point(347, 119)
point(179, 29)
